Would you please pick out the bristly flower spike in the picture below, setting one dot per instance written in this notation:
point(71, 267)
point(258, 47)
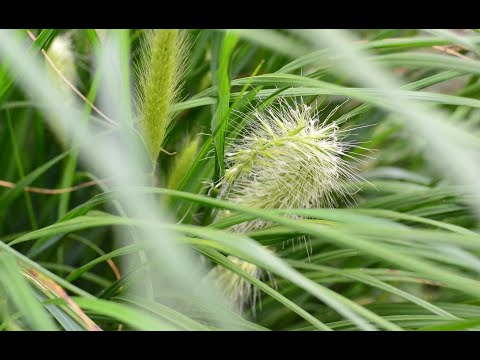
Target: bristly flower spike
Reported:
point(160, 72)
point(285, 158)
point(61, 53)
point(288, 158)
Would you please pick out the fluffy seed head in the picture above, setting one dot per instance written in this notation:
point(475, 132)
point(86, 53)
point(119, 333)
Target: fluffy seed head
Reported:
point(183, 159)
point(61, 53)
point(285, 158)
point(288, 158)
point(160, 71)
point(238, 292)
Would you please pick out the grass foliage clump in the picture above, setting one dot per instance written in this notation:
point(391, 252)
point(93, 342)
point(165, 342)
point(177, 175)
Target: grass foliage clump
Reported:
point(287, 191)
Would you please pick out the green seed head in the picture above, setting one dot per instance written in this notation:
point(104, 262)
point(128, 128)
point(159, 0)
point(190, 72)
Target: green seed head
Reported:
point(287, 158)
point(160, 72)
point(183, 159)
point(238, 292)
point(61, 53)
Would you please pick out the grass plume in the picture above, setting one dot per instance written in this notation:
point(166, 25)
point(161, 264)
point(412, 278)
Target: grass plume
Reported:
point(286, 158)
point(183, 160)
point(160, 71)
point(61, 53)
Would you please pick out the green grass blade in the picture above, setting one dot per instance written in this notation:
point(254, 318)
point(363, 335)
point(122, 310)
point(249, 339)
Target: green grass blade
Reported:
point(135, 318)
point(22, 295)
point(223, 79)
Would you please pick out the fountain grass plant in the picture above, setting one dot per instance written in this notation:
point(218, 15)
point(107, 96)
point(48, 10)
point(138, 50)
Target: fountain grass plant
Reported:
point(383, 188)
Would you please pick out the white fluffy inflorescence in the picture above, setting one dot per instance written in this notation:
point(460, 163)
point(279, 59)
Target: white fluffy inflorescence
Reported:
point(288, 158)
point(238, 292)
point(285, 158)
point(61, 53)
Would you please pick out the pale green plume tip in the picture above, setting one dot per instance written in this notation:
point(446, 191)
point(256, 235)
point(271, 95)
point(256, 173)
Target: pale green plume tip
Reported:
point(237, 291)
point(183, 159)
point(160, 72)
point(62, 55)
